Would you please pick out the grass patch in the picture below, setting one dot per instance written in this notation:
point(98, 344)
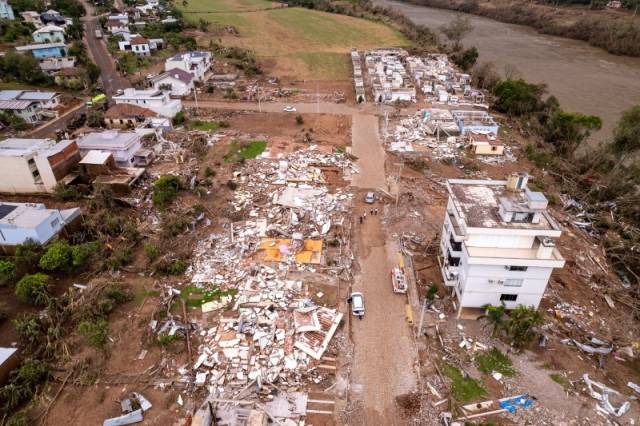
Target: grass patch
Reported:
point(196, 297)
point(561, 380)
point(463, 390)
point(494, 360)
point(203, 125)
point(239, 151)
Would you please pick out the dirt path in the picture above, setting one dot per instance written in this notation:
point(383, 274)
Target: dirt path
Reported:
point(384, 349)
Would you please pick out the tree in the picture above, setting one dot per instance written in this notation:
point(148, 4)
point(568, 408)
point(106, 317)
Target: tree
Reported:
point(521, 325)
point(495, 317)
point(567, 130)
point(75, 31)
point(626, 136)
point(23, 68)
point(178, 119)
point(28, 254)
point(7, 272)
point(95, 119)
point(33, 289)
point(485, 76)
point(456, 30)
point(57, 257)
point(467, 59)
point(13, 121)
point(165, 190)
point(517, 97)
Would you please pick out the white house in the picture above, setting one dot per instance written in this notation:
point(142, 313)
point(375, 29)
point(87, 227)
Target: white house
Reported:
point(498, 243)
point(157, 101)
point(178, 81)
point(122, 145)
point(35, 165)
point(46, 100)
point(32, 17)
point(6, 11)
point(49, 34)
point(20, 222)
point(196, 63)
point(29, 111)
point(116, 26)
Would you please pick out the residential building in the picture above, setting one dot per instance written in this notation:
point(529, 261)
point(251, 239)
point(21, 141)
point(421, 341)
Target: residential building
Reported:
point(127, 116)
point(20, 222)
point(140, 45)
point(32, 17)
point(498, 243)
point(485, 144)
point(45, 50)
point(46, 100)
point(196, 63)
point(29, 111)
point(35, 165)
point(116, 26)
point(176, 80)
point(475, 121)
point(157, 101)
point(49, 34)
point(69, 77)
point(9, 361)
point(122, 145)
point(51, 65)
point(6, 11)
point(55, 18)
point(122, 17)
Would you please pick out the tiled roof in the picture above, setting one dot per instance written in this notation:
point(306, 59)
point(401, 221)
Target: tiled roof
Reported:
point(128, 110)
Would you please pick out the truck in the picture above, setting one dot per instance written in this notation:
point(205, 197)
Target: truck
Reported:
point(97, 100)
point(98, 33)
point(398, 280)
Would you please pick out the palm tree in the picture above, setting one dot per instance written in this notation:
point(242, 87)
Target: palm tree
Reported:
point(495, 317)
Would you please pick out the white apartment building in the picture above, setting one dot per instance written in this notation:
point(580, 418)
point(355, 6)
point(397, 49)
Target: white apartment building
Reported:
point(20, 222)
point(35, 165)
point(196, 63)
point(498, 243)
point(157, 101)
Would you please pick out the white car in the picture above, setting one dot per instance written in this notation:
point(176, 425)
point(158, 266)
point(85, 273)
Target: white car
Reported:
point(357, 304)
point(289, 108)
point(370, 198)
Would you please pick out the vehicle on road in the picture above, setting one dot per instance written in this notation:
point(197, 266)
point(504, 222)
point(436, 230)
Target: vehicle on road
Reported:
point(357, 303)
point(370, 198)
point(97, 100)
point(289, 108)
point(398, 280)
point(98, 33)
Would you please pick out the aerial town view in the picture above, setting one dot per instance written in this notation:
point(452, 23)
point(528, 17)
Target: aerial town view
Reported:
point(319, 212)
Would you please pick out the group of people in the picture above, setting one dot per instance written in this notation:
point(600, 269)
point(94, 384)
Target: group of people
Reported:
point(373, 212)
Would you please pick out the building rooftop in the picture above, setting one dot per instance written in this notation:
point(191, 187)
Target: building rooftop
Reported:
point(177, 73)
point(22, 215)
point(196, 54)
point(6, 353)
point(478, 201)
point(96, 157)
point(26, 95)
point(39, 46)
point(18, 147)
point(127, 111)
point(15, 105)
point(131, 93)
point(138, 40)
point(108, 140)
point(9, 95)
point(48, 29)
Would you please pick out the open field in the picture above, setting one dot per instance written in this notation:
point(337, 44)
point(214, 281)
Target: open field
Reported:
point(308, 44)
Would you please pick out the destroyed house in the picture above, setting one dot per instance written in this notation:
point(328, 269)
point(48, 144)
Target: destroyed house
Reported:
point(475, 121)
point(498, 243)
point(485, 144)
point(122, 145)
point(35, 165)
point(20, 222)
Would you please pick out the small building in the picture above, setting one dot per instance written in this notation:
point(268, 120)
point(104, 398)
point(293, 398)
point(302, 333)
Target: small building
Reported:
point(69, 77)
point(29, 111)
point(32, 17)
point(54, 18)
point(122, 17)
point(20, 222)
point(475, 121)
point(498, 243)
point(196, 62)
point(51, 65)
point(46, 100)
point(35, 165)
point(176, 80)
point(49, 34)
point(157, 101)
point(8, 362)
point(127, 116)
point(485, 144)
point(140, 46)
point(116, 26)
point(96, 163)
point(45, 50)
point(6, 11)
point(122, 145)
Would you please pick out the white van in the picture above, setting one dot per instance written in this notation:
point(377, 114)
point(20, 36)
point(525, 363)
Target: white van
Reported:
point(357, 304)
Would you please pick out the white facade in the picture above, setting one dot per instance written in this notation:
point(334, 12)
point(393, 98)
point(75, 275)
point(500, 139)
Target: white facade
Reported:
point(156, 100)
point(498, 243)
point(20, 222)
point(196, 63)
point(122, 145)
point(49, 34)
point(179, 82)
point(29, 111)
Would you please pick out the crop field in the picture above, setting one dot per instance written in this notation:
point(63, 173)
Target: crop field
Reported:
point(300, 43)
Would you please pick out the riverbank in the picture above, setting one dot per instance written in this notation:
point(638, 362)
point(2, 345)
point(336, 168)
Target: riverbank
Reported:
point(616, 32)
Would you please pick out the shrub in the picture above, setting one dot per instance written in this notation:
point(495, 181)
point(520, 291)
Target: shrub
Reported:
point(118, 259)
point(29, 328)
point(64, 192)
point(33, 289)
point(177, 267)
point(172, 225)
point(209, 172)
point(57, 257)
point(23, 383)
point(299, 120)
point(521, 324)
point(7, 272)
point(80, 253)
point(517, 97)
point(165, 190)
point(28, 254)
point(467, 59)
point(152, 251)
point(232, 185)
point(178, 119)
point(95, 332)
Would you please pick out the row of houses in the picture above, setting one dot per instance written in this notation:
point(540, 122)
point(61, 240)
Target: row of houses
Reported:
point(358, 80)
point(389, 79)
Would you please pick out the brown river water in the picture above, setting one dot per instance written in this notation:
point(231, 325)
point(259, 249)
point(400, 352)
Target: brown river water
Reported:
point(585, 79)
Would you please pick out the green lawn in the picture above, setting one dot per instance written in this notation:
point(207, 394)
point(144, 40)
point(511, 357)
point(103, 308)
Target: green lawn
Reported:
point(494, 360)
point(463, 390)
point(241, 151)
point(203, 125)
point(196, 297)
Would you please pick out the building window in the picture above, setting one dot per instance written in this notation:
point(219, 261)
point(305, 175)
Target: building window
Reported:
point(513, 282)
point(508, 297)
point(516, 268)
point(31, 162)
point(522, 217)
point(36, 176)
point(55, 222)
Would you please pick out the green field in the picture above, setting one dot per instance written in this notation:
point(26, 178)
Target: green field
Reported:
point(299, 43)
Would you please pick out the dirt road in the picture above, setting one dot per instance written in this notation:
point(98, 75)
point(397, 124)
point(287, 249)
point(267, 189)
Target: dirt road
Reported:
point(52, 127)
point(384, 348)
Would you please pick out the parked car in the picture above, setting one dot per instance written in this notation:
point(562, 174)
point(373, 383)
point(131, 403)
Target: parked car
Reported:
point(370, 198)
point(357, 303)
point(289, 108)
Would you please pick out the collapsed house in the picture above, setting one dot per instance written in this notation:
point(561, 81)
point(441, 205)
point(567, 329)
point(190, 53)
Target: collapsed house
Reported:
point(20, 222)
point(389, 79)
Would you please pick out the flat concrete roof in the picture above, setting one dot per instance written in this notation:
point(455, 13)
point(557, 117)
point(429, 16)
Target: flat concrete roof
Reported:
point(19, 147)
point(26, 215)
point(108, 140)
